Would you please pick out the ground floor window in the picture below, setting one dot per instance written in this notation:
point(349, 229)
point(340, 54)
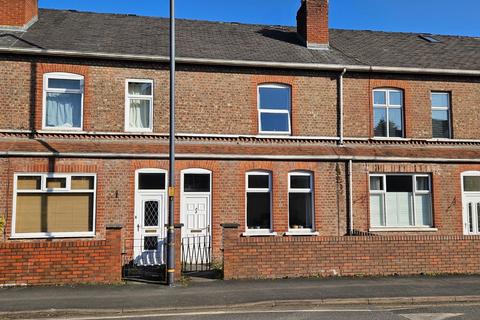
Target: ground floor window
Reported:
point(259, 207)
point(399, 200)
point(300, 201)
point(49, 205)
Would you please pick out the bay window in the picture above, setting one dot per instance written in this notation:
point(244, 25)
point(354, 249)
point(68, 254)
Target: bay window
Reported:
point(54, 205)
point(63, 101)
point(274, 108)
point(259, 202)
point(398, 201)
point(388, 113)
point(139, 105)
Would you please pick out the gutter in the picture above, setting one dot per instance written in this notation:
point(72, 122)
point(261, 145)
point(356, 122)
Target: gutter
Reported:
point(111, 155)
point(240, 63)
point(350, 199)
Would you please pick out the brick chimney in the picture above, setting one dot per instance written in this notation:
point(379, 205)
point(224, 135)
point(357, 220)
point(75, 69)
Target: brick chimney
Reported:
point(312, 23)
point(18, 14)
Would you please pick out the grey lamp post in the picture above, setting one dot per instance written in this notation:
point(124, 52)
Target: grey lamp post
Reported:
point(171, 171)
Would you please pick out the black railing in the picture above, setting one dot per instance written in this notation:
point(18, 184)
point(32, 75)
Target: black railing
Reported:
point(196, 254)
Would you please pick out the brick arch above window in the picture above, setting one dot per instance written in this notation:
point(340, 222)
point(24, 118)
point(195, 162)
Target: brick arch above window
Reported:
point(38, 78)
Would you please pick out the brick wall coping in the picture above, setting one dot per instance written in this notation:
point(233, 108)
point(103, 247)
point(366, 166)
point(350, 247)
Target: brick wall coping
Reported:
point(53, 244)
point(114, 226)
point(327, 240)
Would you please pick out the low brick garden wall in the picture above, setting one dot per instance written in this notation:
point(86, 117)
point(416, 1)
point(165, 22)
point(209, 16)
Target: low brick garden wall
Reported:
point(280, 257)
point(62, 262)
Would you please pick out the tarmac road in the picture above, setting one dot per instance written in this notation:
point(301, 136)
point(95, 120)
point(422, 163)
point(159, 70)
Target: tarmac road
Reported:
point(401, 312)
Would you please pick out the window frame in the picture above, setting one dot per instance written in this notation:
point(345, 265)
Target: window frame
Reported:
point(44, 190)
point(387, 106)
point(274, 111)
point(46, 90)
point(129, 97)
point(415, 192)
point(302, 191)
point(448, 108)
point(147, 171)
point(258, 232)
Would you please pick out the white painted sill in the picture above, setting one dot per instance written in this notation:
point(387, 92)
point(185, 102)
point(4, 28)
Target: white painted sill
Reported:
point(21, 236)
point(259, 234)
point(407, 229)
point(302, 233)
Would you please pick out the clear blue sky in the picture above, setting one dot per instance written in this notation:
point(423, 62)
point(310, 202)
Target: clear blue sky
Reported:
point(459, 17)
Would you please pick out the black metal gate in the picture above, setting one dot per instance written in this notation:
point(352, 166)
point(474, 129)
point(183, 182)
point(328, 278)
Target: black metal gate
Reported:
point(148, 264)
point(196, 254)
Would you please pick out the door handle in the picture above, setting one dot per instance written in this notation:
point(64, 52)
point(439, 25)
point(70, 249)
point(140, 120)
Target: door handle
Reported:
point(138, 227)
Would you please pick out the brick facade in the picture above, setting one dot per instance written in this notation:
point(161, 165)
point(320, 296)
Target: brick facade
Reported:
point(223, 101)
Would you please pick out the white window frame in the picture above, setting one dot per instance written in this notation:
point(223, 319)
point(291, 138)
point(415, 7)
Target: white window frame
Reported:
point(43, 189)
point(129, 97)
point(274, 111)
point(448, 108)
point(387, 106)
point(258, 232)
point(307, 231)
point(46, 89)
point(415, 192)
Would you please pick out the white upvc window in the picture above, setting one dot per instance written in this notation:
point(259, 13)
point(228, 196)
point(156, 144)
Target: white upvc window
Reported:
point(388, 113)
point(139, 105)
point(300, 202)
point(258, 202)
point(274, 109)
point(400, 201)
point(49, 205)
point(441, 127)
point(63, 95)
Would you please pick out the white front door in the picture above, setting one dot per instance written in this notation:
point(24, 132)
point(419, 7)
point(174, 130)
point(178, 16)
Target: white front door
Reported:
point(196, 217)
point(150, 230)
point(471, 213)
point(197, 212)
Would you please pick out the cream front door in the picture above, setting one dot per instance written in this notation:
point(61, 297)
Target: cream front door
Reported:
point(471, 213)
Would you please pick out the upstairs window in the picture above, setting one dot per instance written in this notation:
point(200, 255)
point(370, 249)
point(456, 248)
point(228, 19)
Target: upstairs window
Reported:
point(63, 101)
point(139, 106)
point(388, 113)
point(400, 201)
point(259, 201)
point(274, 108)
point(441, 115)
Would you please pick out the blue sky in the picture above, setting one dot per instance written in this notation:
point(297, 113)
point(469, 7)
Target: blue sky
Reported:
point(458, 17)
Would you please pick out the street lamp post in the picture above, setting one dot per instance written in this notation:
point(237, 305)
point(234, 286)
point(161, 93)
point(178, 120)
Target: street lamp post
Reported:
point(171, 171)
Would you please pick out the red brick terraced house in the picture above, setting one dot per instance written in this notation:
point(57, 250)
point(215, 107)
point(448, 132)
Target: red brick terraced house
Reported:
point(301, 151)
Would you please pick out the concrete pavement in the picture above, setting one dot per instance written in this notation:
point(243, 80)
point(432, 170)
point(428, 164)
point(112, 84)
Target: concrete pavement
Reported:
point(229, 294)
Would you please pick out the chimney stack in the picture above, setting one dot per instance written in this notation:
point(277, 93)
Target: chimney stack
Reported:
point(312, 23)
point(18, 14)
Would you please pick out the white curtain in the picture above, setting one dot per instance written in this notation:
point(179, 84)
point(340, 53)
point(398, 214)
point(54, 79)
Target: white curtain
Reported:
point(63, 110)
point(399, 209)
point(139, 113)
point(376, 210)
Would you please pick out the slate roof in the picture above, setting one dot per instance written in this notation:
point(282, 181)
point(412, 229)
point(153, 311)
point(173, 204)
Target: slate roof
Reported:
point(138, 35)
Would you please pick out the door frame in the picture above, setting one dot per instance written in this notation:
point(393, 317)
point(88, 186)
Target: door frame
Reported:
point(184, 194)
point(464, 213)
point(137, 205)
